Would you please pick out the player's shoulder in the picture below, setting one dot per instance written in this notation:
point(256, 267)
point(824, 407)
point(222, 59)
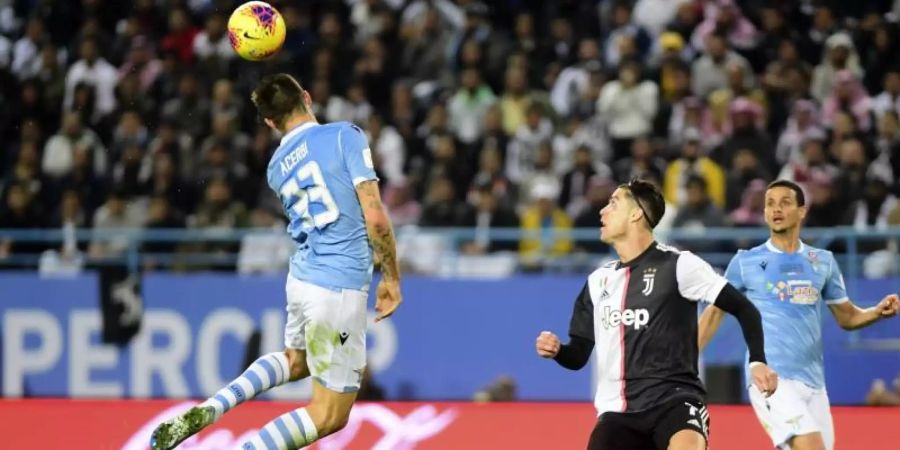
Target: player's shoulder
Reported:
point(816, 254)
point(342, 126)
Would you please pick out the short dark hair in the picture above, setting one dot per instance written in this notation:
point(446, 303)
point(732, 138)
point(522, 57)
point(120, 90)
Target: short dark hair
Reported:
point(798, 191)
point(277, 97)
point(648, 198)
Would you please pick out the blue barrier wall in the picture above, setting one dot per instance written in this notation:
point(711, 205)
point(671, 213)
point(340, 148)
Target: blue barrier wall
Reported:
point(449, 339)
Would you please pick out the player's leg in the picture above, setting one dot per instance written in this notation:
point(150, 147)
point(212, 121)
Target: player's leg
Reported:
point(820, 408)
point(336, 356)
point(681, 425)
point(786, 417)
point(268, 371)
point(617, 431)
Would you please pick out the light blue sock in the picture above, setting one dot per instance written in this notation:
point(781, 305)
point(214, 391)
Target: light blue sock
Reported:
point(290, 431)
point(268, 371)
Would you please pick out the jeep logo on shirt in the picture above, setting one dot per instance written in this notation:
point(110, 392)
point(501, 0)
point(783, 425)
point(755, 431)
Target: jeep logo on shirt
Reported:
point(611, 318)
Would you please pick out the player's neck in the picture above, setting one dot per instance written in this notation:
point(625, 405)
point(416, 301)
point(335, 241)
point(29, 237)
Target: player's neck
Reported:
point(787, 242)
point(633, 246)
point(297, 120)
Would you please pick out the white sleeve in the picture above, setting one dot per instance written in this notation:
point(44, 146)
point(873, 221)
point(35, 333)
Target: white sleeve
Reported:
point(697, 281)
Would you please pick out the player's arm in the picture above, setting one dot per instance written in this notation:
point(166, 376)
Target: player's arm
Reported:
point(379, 229)
point(848, 315)
point(698, 281)
point(852, 317)
point(575, 354)
point(712, 316)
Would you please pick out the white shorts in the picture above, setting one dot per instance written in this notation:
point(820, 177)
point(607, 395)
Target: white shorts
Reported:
point(794, 409)
point(330, 325)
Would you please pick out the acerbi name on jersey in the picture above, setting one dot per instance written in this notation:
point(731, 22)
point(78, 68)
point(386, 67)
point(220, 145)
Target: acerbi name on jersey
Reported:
point(611, 318)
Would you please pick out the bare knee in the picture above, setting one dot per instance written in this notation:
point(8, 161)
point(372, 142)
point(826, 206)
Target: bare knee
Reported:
point(297, 363)
point(687, 440)
point(328, 419)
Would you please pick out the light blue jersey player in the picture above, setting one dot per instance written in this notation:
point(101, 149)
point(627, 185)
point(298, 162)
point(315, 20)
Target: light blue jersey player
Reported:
point(788, 281)
point(326, 181)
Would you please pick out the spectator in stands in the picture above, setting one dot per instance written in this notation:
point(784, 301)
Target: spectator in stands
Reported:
point(697, 212)
point(114, 218)
point(84, 179)
point(132, 169)
point(849, 96)
point(780, 81)
point(219, 163)
point(840, 55)
point(189, 108)
point(441, 208)
point(889, 99)
point(880, 56)
point(750, 212)
point(388, 144)
point(61, 147)
point(851, 173)
point(165, 182)
point(225, 131)
point(824, 207)
point(212, 42)
point(655, 15)
point(129, 131)
point(401, 204)
point(523, 147)
point(353, 107)
point(218, 210)
point(802, 125)
point(142, 62)
point(180, 38)
point(692, 112)
point(26, 172)
point(225, 102)
point(623, 30)
point(26, 51)
point(599, 190)
point(576, 183)
point(745, 167)
point(489, 214)
point(490, 176)
point(628, 104)
point(746, 132)
point(449, 162)
point(19, 211)
point(544, 227)
point(160, 215)
point(469, 105)
point(721, 100)
point(70, 212)
point(709, 72)
point(725, 17)
point(95, 71)
point(515, 100)
point(693, 162)
point(873, 209)
point(573, 81)
point(643, 163)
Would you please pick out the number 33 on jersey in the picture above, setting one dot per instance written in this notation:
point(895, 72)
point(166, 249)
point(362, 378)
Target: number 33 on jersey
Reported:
point(315, 171)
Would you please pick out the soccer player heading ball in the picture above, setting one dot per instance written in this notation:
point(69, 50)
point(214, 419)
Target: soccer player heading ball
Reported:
point(788, 281)
point(640, 314)
point(326, 181)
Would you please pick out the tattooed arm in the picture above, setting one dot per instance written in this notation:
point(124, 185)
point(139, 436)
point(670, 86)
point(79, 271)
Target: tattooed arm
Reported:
point(384, 246)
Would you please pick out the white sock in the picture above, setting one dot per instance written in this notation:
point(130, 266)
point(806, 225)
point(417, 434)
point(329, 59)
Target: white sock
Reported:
point(289, 431)
point(268, 371)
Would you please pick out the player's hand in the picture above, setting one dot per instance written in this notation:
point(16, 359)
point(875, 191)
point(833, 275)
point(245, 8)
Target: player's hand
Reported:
point(547, 344)
point(764, 378)
point(387, 298)
point(888, 306)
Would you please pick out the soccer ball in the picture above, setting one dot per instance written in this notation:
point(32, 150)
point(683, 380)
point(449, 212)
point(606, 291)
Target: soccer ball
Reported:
point(256, 30)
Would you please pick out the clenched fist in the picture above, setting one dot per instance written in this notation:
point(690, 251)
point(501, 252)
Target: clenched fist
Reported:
point(547, 345)
point(764, 378)
point(888, 306)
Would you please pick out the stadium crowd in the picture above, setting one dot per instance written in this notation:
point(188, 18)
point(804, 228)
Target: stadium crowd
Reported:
point(511, 113)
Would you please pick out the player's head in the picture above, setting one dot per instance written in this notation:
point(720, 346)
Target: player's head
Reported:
point(785, 206)
point(636, 206)
point(278, 98)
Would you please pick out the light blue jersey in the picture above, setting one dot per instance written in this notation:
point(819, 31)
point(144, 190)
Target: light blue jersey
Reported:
point(788, 289)
point(315, 171)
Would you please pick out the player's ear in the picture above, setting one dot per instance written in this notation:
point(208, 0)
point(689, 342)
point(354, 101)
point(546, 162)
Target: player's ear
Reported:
point(307, 100)
point(802, 211)
point(270, 123)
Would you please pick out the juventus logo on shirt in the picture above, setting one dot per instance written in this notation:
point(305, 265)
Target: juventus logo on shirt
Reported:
point(649, 275)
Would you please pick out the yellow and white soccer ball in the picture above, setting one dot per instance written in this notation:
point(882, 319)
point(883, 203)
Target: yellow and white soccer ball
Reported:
point(256, 31)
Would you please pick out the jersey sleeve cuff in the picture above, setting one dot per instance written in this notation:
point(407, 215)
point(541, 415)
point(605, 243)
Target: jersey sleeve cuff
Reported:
point(715, 290)
point(837, 301)
point(358, 180)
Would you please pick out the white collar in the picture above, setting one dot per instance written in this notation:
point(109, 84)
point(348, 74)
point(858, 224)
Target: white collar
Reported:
point(297, 130)
point(774, 249)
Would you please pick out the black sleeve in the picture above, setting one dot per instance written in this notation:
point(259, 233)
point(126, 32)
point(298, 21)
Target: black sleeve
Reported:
point(577, 352)
point(733, 302)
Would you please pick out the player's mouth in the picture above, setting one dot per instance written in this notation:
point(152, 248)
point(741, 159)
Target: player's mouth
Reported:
point(777, 220)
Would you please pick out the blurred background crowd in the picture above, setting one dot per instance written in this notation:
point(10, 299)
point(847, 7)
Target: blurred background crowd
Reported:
point(512, 113)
